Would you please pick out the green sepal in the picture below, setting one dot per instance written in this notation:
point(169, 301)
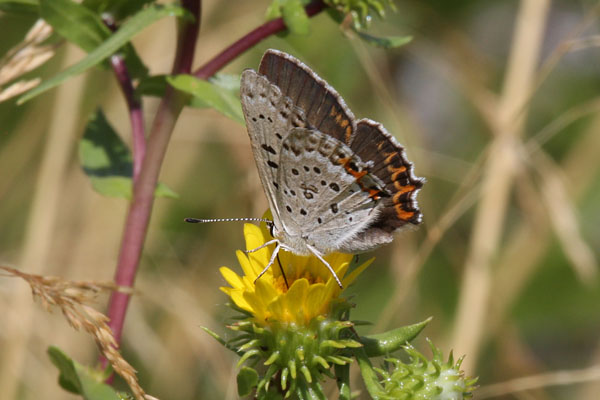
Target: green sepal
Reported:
point(385, 343)
point(368, 373)
point(247, 380)
point(342, 375)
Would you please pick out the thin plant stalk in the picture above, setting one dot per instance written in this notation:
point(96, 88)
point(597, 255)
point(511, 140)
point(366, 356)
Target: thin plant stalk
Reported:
point(169, 109)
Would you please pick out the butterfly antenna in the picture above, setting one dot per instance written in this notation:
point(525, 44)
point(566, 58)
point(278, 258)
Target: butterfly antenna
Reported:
point(202, 221)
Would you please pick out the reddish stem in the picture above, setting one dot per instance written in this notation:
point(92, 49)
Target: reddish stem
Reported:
point(136, 116)
point(140, 207)
point(262, 32)
point(164, 121)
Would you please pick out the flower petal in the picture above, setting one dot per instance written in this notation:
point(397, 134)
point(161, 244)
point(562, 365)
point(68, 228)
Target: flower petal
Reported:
point(354, 274)
point(231, 277)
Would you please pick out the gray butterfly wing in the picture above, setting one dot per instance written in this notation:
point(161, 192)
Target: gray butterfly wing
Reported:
point(269, 117)
point(326, 195)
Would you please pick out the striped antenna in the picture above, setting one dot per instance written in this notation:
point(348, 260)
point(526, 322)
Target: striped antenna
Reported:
point(202, 221)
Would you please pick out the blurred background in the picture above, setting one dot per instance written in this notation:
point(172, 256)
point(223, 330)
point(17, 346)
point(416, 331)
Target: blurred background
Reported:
point(497, 104)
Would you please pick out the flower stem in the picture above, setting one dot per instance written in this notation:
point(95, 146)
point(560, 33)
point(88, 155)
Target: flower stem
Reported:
point(247, 41)
point(143, 188)
point(136, 116)
point(169, 109)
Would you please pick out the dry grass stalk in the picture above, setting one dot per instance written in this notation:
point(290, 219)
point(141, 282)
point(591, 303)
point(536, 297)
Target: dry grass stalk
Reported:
point(72, 298)
point(556, 378)
point(25, 57)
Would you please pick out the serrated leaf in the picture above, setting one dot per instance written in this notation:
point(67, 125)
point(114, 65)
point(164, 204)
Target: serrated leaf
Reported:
point(20, 6)
point(295, 17)
point(205, 93)
point(385, 343)
point(79, 379)
point(138, 22)
point(107, 161)
point(389, 42)
point(247, 380)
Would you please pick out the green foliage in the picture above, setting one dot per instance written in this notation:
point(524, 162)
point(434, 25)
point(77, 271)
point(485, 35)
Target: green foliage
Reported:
point(362, 10)
point(19, 6)
point(297, 358)
point(108, 47)
point(424, 379)
point(107, 161)
point(217, 94)
point(85, 28)
point(79, 379)
point(385, 343)
point(117, 9)
point(293, 14)
point(388, 42)
point(247, 380)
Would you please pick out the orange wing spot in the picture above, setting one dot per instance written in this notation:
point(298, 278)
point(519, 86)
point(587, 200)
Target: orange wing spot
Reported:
point(401, 191)
point(389, 157)
point(348, 133)
point(374, 194)
point(333, 112)
point(338, 119)
point(380, 145)
point(403, 214)
point(396, 171)
point(343, 161)
point(344, 123)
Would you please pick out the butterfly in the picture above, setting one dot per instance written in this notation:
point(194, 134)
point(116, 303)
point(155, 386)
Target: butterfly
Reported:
point(333, 183)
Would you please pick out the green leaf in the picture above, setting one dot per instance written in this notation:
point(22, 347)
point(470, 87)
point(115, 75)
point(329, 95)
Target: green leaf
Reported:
point(129, 29)
point(68, 378)
point(390, 42)
point(205, 93)
point(163, 190)
point(247, 380)
point(19, 6)
point(79, 379)
point(85, 28)
point(385, 343)
point(118, 9)
point(74, 22)
point(106, 159)
point(368, 373)
point(295, 17)
point(273, 10)
point(342, 374)
point(152, 86)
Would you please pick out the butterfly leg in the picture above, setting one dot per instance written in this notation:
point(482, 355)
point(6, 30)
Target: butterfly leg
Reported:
point(270, 242)
point(320, 257)
point(271, 261)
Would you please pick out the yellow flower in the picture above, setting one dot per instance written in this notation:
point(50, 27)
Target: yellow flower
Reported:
point(311, 290)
